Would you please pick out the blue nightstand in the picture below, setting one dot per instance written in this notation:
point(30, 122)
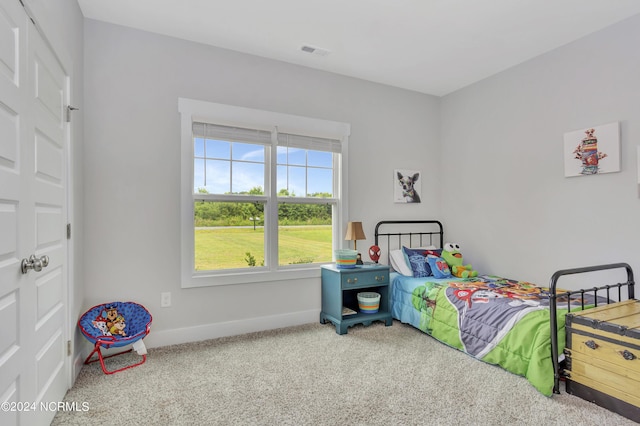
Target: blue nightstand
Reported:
point(340, 288)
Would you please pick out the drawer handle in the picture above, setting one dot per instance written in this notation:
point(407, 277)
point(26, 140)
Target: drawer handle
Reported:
point(628, 355)
point(352, 280)
point(379, 277)
point(591, 344)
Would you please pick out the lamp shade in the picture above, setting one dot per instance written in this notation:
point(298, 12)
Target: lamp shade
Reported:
point(354, 231)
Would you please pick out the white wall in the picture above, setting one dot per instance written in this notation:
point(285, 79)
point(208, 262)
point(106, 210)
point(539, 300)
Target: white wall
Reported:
point(505, 197)
point(132, 176)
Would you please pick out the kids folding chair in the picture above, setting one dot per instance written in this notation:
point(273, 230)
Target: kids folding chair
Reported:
point(113, 325)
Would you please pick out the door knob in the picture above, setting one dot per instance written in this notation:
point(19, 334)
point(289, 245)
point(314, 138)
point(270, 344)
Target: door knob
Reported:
point(34, 263)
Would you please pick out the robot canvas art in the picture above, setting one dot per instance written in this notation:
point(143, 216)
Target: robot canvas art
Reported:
point(592, 150)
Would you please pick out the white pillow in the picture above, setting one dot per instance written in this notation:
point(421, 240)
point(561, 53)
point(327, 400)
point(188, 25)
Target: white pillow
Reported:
point(399, 261)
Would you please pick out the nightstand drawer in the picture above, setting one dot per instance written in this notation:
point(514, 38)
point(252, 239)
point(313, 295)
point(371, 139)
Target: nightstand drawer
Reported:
point(364, 279)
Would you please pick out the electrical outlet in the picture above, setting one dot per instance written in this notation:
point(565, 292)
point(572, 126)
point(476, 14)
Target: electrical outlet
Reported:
point(165, 300)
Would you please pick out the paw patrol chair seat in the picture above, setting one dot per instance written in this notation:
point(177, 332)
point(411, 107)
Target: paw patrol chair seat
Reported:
point(113, 325)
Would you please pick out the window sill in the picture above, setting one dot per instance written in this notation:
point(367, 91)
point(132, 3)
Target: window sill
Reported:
point(209, 279)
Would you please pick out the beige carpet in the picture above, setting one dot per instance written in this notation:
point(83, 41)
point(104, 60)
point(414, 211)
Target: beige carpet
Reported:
point(309, 375)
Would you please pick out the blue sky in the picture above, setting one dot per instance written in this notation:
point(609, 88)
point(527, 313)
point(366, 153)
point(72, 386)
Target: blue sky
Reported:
point(296, 168)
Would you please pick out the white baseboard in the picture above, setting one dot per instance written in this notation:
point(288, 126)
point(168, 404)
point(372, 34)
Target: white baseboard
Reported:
point(78, 362)
point(229, 328)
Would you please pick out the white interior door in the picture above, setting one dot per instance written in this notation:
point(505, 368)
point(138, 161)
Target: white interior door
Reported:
point(33, 212)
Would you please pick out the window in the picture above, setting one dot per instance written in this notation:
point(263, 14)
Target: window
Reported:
point(262, 194)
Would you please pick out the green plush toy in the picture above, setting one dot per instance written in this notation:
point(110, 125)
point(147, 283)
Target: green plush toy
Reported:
point(451, 254)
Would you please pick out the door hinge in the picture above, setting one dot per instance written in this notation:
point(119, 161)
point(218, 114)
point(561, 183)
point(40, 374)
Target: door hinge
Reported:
point(69, 109)
point(68, 347)
point(68, 231)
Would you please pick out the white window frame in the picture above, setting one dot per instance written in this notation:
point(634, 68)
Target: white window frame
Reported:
point(192, 110)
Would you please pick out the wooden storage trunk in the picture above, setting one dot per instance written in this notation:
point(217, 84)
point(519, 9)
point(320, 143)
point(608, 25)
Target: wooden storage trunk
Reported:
point(603, 346)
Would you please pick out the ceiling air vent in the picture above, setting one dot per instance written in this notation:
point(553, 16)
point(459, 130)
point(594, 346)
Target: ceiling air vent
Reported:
point(315, 50)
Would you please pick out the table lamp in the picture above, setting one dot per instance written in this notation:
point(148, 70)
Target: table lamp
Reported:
point(355, 233)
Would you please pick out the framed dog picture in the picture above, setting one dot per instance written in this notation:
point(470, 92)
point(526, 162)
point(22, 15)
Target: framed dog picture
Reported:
point(407, 185)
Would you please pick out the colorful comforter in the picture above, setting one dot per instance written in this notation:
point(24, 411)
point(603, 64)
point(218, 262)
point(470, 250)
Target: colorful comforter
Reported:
point(498, 320)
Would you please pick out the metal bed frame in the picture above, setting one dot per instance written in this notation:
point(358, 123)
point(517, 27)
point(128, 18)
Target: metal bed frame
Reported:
point(553, 300)
point(433, 230)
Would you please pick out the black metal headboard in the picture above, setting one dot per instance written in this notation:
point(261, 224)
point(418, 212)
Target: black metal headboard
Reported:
point(410, 233)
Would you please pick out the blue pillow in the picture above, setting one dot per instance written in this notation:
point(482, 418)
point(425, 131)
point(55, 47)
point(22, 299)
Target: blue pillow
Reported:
point(417, 260)
point(419, 266)
point(439, 267)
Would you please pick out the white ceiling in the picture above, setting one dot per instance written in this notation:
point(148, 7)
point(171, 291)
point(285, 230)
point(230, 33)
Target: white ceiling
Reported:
point(430, 46)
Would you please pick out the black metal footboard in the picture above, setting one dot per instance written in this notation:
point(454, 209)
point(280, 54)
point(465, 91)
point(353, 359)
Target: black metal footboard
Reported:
point(554, 299)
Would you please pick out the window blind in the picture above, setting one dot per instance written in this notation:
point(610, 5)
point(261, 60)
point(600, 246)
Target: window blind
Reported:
point(308, 142)
point(231, 134)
